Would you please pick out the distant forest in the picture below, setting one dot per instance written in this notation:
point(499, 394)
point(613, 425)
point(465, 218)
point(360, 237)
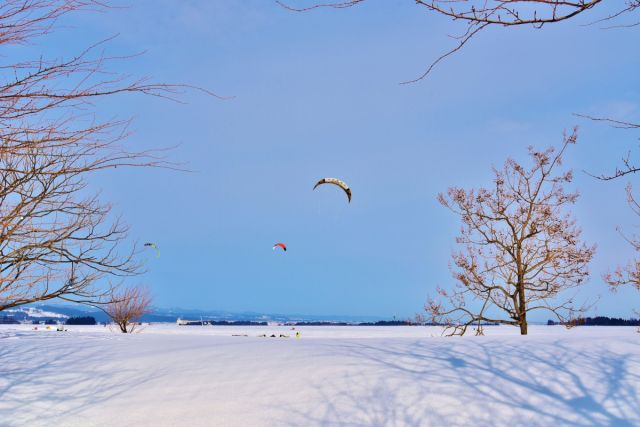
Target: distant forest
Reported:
point(81, 320)
point(378, 323)
point(600, 321)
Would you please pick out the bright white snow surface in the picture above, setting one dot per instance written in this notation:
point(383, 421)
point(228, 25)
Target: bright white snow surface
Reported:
point(343, 376)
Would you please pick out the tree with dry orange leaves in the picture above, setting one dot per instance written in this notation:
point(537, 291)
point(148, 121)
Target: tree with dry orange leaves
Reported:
point(629, 274)
point(521, 248)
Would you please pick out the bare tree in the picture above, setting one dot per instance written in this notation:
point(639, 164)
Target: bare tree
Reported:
point(56, 239)
point(127, 306)
point(521, 247)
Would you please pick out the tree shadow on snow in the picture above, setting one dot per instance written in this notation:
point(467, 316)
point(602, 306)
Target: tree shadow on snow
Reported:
point(482, 382)
point(54, 380)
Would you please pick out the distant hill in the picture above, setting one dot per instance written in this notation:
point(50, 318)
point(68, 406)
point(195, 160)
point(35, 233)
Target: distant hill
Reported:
point(62, 311)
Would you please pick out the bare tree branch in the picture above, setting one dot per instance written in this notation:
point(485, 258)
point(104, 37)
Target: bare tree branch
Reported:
point(480, 14)
point(127, 306)
point(56, 239)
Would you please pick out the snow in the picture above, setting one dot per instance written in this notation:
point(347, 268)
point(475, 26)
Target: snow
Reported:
point(36, 312)
point(172, 375)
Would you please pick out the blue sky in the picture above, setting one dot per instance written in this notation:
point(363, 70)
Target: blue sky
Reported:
point(317, 94)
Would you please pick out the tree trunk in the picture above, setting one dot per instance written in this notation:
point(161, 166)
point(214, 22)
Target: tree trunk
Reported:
point(523, 311)
point(523, 324)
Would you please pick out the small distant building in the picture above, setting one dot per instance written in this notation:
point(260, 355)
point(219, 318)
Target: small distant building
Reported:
point(182, 322)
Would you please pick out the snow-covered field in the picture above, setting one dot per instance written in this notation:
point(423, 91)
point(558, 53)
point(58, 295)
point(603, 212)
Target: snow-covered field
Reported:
point(353, 376)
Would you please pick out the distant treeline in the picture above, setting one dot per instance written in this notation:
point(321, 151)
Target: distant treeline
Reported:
point(599, 321)
point(236, 323)
point(318, 323)
point(44, 322)
point(7, 320)
point(312, 323)
point(222, 323)
point(378, 323)
point(81, 320)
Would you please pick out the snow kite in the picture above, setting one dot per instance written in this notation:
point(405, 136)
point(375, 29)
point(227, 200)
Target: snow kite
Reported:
point(281, 245)
point(335, 181)
point(154, 246)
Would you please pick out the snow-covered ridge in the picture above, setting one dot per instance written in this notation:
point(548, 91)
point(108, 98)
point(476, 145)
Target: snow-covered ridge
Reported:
point(34, 312)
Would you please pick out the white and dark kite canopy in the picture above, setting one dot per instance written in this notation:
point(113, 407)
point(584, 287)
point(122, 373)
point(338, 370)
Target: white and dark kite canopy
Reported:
point(335, 181)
